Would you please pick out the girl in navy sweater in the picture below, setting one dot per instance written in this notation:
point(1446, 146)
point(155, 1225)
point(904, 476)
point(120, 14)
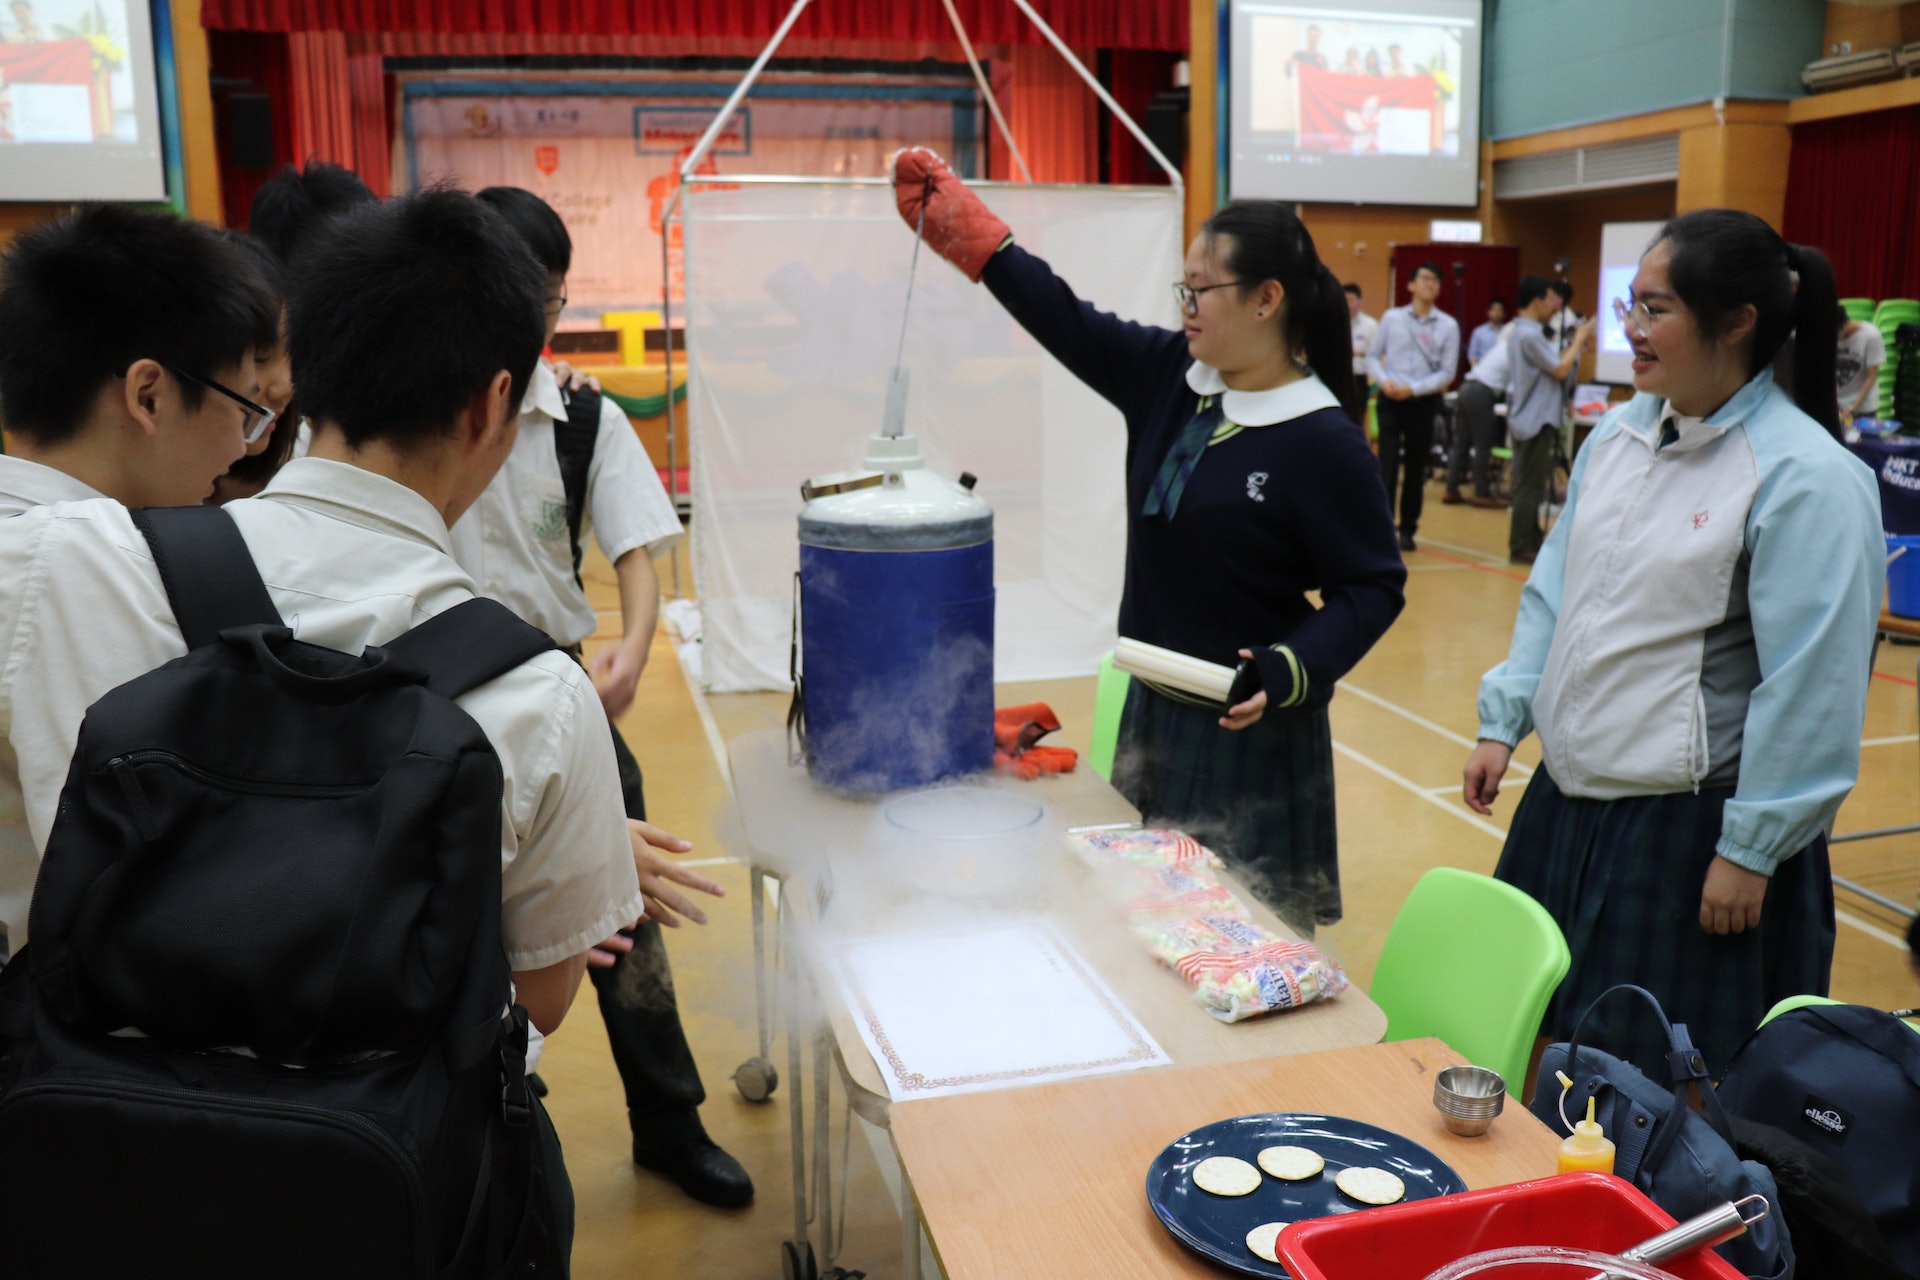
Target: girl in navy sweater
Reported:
point(1248, 485)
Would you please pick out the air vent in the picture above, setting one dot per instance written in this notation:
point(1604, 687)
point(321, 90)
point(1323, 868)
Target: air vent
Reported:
point(1635, 162)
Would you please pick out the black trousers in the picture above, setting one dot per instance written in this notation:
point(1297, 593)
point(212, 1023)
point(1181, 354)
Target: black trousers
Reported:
point(1406, 433)
point(638, 1004)
point(1475, 427)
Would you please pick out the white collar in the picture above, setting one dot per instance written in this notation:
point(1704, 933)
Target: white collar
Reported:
point(360, 497)
point(34, 484)
point(543, 393)
point(1262, 408)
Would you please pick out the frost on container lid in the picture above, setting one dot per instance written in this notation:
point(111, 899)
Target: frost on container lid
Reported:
point(896, 504)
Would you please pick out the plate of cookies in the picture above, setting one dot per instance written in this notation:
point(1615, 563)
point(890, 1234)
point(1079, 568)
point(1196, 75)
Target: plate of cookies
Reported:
point(1225, 1189)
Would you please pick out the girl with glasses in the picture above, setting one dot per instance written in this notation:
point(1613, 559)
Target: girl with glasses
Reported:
point(1693, 648)
point(1248, 485)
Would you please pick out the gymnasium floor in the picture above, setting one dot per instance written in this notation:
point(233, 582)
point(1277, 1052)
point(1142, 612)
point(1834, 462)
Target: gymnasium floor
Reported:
point(1402, 726)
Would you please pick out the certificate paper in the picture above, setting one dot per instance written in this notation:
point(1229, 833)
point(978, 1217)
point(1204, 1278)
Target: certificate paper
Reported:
point(1006, 1005)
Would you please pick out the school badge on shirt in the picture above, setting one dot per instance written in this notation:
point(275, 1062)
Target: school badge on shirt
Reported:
point(1254, 483)
point(552, 525)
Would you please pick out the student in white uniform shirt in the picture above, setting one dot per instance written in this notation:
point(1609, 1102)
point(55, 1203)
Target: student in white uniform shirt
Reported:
point(352, 543)
point(117, 325)
point(521, 542)
point(1362, 326)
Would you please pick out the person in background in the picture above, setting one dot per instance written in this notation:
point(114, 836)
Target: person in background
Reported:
point(1861, 352)
point(1693, 646)
point(1541, 378)
point(1564, 320)
point(1396, 67)
point(266, 456)
point(1351, 67)
point(525, 552)
point(1485, 335)
point(1247, 485)
point(292, 203)
point(1413, 358)
point(1478, 428)
point(128, 341)
point(1361, 325)
point(1310, 55)
point(1373, 62)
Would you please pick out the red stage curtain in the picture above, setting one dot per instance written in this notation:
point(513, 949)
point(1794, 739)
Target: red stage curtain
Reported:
point(259, 61)
point(321, 97)
point(1109, 24)
point(1138, 74)
point(1852, 185)
point(1054, 117)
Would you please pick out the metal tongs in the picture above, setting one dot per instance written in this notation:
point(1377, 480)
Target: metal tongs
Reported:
point(1715, 1226)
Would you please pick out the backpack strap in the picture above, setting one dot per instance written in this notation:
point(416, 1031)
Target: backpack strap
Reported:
point(475, 641)
point(210, 578)
point(574, 440)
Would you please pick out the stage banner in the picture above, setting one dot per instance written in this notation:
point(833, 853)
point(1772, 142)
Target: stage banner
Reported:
point(608, 157)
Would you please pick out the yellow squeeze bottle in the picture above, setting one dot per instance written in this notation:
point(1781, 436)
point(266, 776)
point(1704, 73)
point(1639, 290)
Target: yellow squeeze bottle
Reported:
point(1588, 1149)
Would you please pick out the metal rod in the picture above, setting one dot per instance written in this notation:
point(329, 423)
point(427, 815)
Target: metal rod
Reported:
point(666, 333)
point(986, 91)
point(757, 894)
point(1890, 904)
point(1100, 92)
point(712, 134)
point(796, 1103)
point(1875, 834)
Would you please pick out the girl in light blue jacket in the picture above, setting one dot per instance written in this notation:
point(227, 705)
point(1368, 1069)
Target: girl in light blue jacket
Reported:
point(1694, 648)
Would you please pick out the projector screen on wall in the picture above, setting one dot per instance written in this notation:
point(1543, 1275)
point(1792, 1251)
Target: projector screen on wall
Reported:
point(1621, 244)
point(1365, 102)
point(79, 102)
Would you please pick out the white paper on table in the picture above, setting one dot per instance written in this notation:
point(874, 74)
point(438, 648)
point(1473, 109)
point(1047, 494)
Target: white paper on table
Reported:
point(984, 1009)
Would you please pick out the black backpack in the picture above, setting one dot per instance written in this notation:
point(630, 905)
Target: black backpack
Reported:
point(281, 865)
point(574, 439)
point(1845, 1081)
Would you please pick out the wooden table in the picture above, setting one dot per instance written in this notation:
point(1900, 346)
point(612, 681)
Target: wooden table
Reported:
point(1048, 1183)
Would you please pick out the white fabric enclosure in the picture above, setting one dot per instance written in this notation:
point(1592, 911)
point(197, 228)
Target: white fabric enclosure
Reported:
point(794, 296)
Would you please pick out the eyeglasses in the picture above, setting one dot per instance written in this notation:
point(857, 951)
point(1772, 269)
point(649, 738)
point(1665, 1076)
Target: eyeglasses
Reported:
point(1189, 297)
point(556, 305)
point(1635, 317)
point(259, 419)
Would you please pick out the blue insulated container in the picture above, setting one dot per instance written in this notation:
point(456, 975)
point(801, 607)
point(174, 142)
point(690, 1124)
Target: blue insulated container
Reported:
point(896, 625)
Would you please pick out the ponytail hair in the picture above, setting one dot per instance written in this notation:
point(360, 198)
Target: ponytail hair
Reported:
point(1724, 260)
point(1271, 243)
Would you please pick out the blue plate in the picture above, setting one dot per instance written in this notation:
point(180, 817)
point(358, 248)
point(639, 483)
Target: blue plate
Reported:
point(1217, 1226)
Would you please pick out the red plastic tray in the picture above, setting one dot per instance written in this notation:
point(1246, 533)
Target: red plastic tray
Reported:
point(1411, 1241)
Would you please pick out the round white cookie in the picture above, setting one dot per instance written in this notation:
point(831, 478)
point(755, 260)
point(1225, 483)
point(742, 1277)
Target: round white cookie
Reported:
point(1291, 1164)
point(1226, 1176)
point(1261, 1240)
point(1370, 1186)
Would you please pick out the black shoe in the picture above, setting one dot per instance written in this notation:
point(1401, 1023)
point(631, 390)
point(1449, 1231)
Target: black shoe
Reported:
point(676, 1144)
point(1406, 542)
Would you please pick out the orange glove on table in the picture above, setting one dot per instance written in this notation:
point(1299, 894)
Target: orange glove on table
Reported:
point(1016, 730)
point(958, 226)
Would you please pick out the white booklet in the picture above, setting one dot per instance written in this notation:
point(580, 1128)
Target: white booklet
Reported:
point(985, 1009)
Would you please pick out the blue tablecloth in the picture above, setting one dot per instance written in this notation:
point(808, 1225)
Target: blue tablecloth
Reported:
point(1896, 461)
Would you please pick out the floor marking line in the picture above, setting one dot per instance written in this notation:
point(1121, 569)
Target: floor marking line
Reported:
point(1469, 564)
point(1896, 740)
point(1491, 557)
point(708, 862)
point(1414, 788)
point(1871, 930)
point(1881, 675)
point(1422, 721)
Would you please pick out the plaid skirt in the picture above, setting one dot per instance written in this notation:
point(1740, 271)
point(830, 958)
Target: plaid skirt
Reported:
point(1623, 878)
point(1260, 797)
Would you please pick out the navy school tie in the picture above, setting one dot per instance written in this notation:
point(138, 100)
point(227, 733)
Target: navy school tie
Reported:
point(1171, 481)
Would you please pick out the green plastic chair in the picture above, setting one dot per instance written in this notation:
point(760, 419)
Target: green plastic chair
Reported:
point(1109, 696)
point(1858, 308)
point(1472, 961)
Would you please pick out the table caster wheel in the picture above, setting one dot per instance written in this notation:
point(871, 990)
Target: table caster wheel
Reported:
point(756, 1079)
point(796, 1261)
